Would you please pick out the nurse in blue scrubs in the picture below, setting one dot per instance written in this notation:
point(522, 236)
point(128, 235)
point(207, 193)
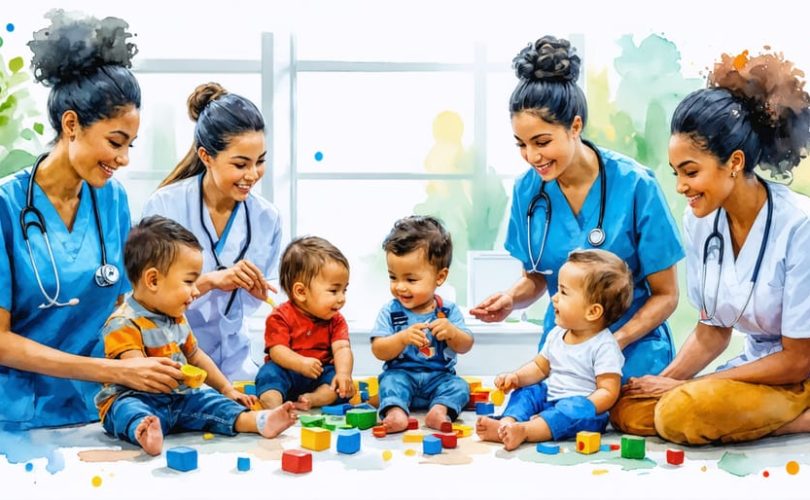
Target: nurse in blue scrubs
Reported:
point(63, 224)
point(593, 198)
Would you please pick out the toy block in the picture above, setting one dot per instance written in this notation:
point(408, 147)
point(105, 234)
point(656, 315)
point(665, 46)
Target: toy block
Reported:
point(373, 386)
point(356, 399)
point(615, 447)
point(296, 461)
point(257, 406)
point(449, 440)
point(473, 382)
point(312, 420)
point(362, 419)
point(412, 423)
point(344, 427)
point(548, 449)
point(604, 447)
point(193, 376)
point(363, 386)
point(484, 390)
point(379, 431)
point(431, 445)
point(634, 447)
point(336, 409)
point(476, 397)
point(316, 438)
point(363, 396)
point(413, 437)
point(497, 396)
point(332, 423)
point(462, 430)
point(181, 458)
point(588, 442)
point(245, 387)
point(362, 406)
point(446, 427)
point(484, 408)
point(674, 457)
point(243, 464)
point(348, 441)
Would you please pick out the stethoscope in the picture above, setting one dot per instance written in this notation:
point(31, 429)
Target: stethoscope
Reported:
point(106, 274)
point(720, 247)
point(596, 236)
point(242, 252)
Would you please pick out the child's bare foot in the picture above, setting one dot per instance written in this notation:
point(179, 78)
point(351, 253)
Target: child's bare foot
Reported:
point(149, 435)
point(396, 420)
point(487, 429)
point(304, 403)
point(436, 416)
point(271, 423)
point(512, 435)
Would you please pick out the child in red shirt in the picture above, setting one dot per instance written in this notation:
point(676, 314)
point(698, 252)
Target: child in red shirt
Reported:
point(309, 360)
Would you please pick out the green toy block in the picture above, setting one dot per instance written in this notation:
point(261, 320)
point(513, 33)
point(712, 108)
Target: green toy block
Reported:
point(312, 420)
point(332, 423)
point(634, 447)
point(362, 419)
point(344, 427)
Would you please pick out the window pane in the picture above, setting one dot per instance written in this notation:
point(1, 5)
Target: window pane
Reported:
point(380, 122)
point(356, 47)
point(503, 154)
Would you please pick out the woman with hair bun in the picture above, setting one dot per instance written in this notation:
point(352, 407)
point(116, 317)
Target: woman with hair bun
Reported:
point(63, 225)
point(577, 195)
point(209, 193)
point(747, 261)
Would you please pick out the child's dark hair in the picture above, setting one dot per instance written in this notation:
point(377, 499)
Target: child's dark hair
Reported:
point(154, 243)
point(421, 231)
point(757, 106)
point(608, 281)
point(304, 258)
point(84, 61)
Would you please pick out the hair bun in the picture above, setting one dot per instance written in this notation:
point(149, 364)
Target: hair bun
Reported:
point(549, 58)
point(202, 96)
point(73, 47)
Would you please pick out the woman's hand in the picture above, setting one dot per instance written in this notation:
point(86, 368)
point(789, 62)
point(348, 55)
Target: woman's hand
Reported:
point(650, 385)
point(494, 308)
point(148, 374)
point(244, 274)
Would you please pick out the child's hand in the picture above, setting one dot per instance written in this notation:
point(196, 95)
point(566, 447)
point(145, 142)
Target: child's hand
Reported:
point(243, 399)
point(443, 330)
point(311, 367)
point(506, 382)
point(343, 385)
point(414, 335)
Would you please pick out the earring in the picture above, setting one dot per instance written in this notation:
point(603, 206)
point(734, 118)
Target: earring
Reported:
point(733, 173)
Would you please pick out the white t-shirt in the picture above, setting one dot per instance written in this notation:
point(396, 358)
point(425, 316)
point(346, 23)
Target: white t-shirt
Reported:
point(574, 367)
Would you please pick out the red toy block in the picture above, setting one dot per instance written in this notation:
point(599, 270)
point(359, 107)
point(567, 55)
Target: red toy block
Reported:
point(413, 424)
point(449, 440)
point(446, 427)
point(674, 457)
point(296, 461)
point(615, 447)
point(379, 431)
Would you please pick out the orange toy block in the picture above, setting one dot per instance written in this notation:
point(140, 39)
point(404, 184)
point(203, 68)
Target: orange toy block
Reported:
point(588, 442)
point(462, 430)
point(315, 438)
point(193, 376)
point(473, 382)
point(379, 431)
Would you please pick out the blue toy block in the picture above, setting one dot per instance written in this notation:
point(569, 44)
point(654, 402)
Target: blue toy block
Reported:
point(548, 449)
point(181, 458)
point(431, 445)
point(363, 386)
point(484, 408)
point(348, 441)
point(336, 410)
point(605, 447)
point(250, 389)
point(364, 406)
point(364, 396)
point(243, 464)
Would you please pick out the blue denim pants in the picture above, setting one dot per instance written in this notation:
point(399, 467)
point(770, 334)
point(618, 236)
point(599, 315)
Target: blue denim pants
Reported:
point(412, 390)
point(565, 417)
point(289, 383)
point(200, 410)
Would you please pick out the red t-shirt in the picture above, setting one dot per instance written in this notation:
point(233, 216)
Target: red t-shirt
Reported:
point(289, 326)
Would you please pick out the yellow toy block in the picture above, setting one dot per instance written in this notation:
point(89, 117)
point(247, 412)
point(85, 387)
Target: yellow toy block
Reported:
point(193, 376)
point(588, 442)
point(315, 438)
point(474, 382)
point(413, 437)
point(462, 430)
point(497, 396)
point(373, 386)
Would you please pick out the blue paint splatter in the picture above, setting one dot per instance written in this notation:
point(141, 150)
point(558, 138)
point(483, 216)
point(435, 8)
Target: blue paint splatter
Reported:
point(29, 467)
point(10, 27)
point(19, 447)
point(318, 156)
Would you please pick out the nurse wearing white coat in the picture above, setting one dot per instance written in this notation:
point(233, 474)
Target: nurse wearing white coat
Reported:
point(62, 229)
point(209, 193)
point(747, 260)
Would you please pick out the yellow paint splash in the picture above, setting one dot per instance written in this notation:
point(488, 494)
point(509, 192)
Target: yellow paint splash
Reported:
point(96, 481)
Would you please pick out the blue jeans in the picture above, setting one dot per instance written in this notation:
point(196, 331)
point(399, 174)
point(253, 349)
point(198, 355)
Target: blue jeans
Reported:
point(565, 417)
point(289, 383)
point(422, 390)
point(201, 410)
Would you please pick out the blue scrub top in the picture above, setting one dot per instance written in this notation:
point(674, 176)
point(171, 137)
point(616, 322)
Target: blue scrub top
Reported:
point(638, 226)
point(31, 400)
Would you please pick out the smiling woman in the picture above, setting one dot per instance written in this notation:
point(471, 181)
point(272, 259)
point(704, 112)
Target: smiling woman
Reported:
point(209, 193)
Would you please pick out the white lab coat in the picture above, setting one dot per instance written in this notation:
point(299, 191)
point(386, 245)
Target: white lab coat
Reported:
point(223, 338)
point(780, 303)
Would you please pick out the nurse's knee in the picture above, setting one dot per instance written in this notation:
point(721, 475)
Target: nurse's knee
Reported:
point(634, 416)
point(685, 415)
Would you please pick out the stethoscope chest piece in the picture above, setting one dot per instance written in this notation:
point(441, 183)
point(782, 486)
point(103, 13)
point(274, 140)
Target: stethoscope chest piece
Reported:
point(107, 275)
point(596, 237)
